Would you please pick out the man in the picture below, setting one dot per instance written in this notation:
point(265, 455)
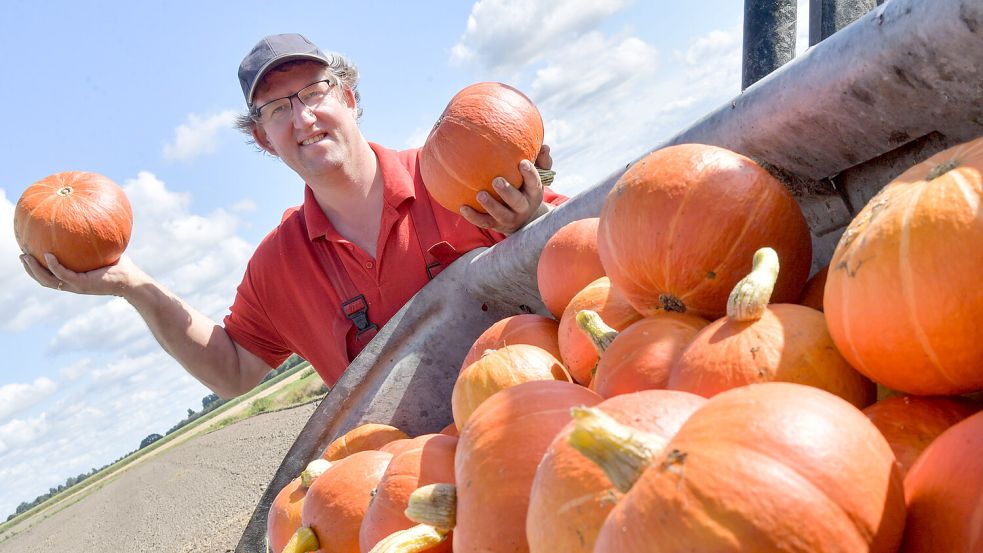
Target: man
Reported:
point(366, 238)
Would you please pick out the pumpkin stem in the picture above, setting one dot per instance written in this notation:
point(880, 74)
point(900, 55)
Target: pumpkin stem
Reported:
point(418, 538)
point(748, 300)
point(546, 176)
point(600, 334)
point(65, 191)
point(314, 469)
point(941, 169)
point(434, 505)
point(621, 451)
point(303, 541)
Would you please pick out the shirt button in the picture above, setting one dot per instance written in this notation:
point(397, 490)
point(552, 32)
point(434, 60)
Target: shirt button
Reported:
point(369, 265)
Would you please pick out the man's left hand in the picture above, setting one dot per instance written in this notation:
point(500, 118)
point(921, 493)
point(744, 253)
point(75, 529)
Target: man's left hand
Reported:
point(519, 206)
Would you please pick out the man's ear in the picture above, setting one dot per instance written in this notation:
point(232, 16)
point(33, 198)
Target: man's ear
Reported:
point(259, 135)
point(348, 95)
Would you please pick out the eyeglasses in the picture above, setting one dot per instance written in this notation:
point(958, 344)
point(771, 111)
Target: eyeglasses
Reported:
point(277, 112)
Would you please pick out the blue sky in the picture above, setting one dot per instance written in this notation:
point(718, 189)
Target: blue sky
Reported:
point(144, 93)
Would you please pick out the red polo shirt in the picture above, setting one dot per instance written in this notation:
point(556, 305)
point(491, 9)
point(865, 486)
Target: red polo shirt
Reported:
point(286, 302)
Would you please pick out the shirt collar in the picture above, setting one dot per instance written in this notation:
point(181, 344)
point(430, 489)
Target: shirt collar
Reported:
point(397, 188)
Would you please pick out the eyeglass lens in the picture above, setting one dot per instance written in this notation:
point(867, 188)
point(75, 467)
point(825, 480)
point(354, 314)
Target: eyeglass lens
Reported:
point(279, 110)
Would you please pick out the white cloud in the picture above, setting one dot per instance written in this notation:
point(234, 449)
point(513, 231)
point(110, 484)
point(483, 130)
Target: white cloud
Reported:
point(504, 34)
point(18, 397)
point(198, 136)
point(20, 432)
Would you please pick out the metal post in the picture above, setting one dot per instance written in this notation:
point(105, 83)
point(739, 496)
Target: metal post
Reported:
point(769, 37)
point(828, 16)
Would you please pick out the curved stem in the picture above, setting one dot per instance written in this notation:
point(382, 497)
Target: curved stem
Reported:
point(749, 298)
point(600, 334)
point(418, 538)
point(621, 451)
point(434, 505)
point(546, 176)
point(303, 541)
point(314, 469)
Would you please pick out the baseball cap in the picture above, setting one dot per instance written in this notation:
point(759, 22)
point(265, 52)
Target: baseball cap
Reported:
point(271, 51)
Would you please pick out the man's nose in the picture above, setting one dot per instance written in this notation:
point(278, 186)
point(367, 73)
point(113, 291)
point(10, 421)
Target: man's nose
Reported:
point(300, 113)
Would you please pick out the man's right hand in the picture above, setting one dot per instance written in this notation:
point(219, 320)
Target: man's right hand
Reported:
point(115, 279)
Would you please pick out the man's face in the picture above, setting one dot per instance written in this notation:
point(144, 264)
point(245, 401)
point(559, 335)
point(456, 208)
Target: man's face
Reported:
point(312, 142)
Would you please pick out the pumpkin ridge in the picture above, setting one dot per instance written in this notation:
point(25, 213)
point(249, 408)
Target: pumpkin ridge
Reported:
point(908, 287)
point(723, 258)
point(967, 189)
point(741, 451)
point(438, 154)
point(490, 139)
point(666, 266)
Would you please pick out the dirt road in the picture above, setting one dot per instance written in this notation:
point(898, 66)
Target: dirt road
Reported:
point(195, 497)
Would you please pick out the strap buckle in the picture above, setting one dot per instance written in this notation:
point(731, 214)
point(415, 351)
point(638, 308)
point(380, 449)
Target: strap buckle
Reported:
point(357, 311)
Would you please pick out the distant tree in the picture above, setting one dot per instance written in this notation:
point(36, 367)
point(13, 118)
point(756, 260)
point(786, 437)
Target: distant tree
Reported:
point(208, 400)
point(149, 440)
point(191, 412)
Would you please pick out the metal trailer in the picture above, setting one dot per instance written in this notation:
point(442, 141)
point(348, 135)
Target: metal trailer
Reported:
point(881, 88)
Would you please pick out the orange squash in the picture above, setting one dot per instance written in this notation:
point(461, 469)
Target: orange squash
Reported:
point(483, 133)
point(526, 328)
point(774, 467)
point(757, 342)
point(361, 438)
point(910, 424)
point(284, 516)
point(943, 491)
point(568, 263)
point(641, 356)
point(337, 502)
point(500, 369)
point(396, 447)
point(83, 218)
point(570, 495)
point(578, 353)
point(679, 227)
point(497, 455)
point(429, 461)
point(902, 298)
point(812, 294)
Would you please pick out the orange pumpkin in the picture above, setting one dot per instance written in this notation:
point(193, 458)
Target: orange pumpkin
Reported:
point(570, 495)
point(483, 133)
point(361, 438)
point(337, 502)
point(943, 491)
point(500, 369)
point(568, 263)
point(84, 219)
point(497, 455)
point(910, 424)
point(578, 352)
point(396, 447)
point(527, 328)
point(642, 355)
point(757, 342)
point(450, 430)
point(773, 467)
point(429, 461)
point(902, 297)
point(678, 229)
point(284, 516)
point(812, 294)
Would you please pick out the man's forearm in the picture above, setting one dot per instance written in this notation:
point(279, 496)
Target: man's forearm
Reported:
point(200, 345)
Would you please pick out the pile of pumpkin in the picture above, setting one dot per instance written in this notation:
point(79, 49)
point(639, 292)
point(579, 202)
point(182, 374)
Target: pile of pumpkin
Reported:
point(696, 391)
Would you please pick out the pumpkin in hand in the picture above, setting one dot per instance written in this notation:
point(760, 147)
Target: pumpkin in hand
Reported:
point(83, 218)
point(483, 133)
